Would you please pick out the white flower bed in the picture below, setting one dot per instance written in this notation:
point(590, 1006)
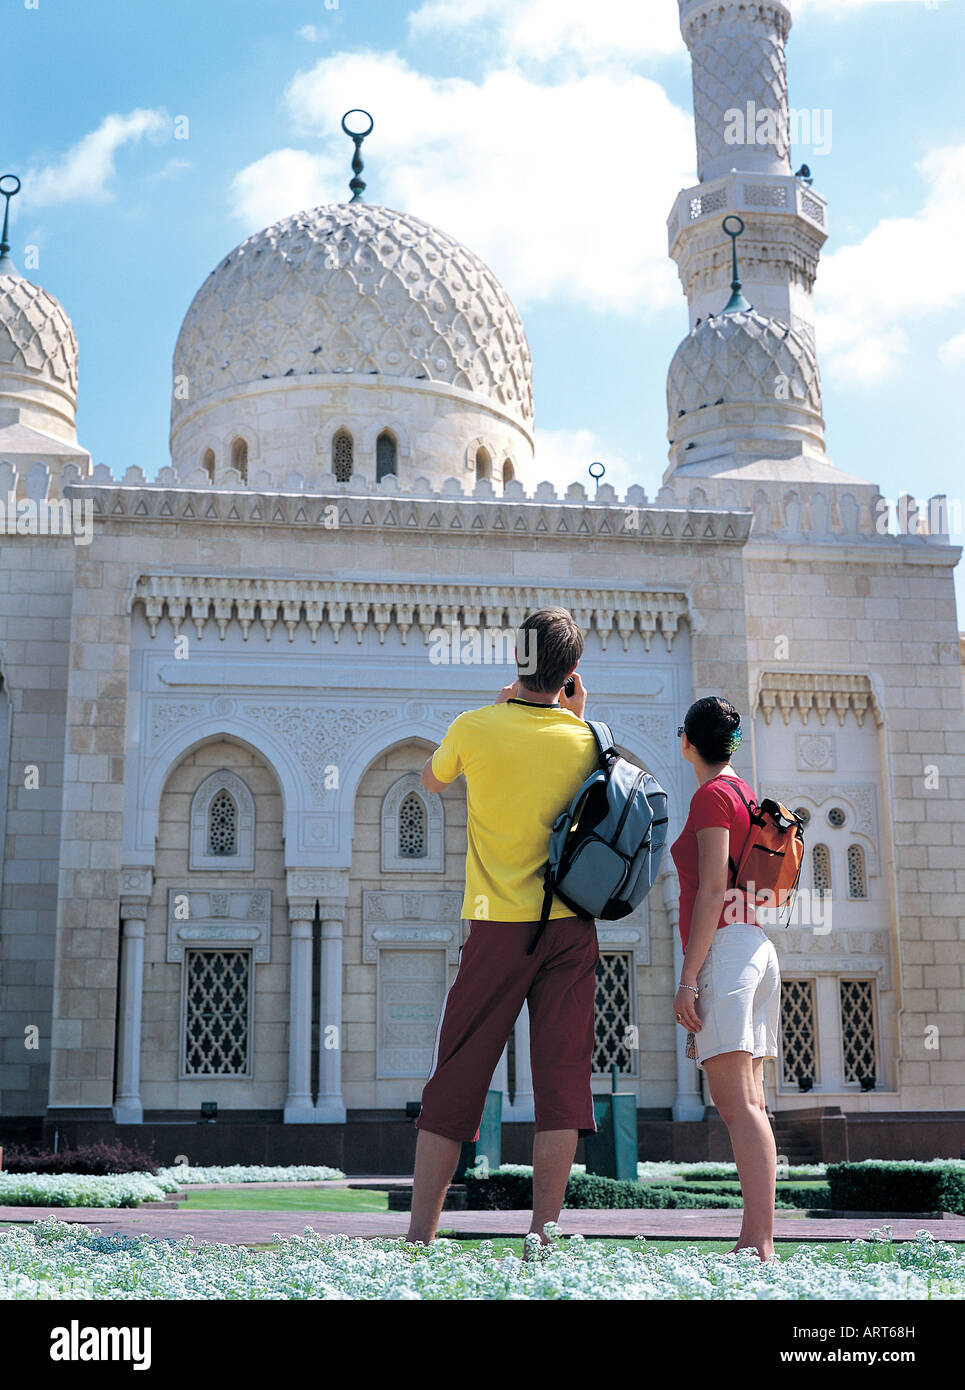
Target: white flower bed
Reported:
point(252, 1172)
point(58, 1260)
point(674, 1172)
point(81, 1190)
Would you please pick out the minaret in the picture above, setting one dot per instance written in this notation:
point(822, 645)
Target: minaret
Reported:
point(743, 163)
point(744, 389)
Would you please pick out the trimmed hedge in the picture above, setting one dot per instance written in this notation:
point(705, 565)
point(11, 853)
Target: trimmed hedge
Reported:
point(91, 1159)
point(514, 1192)
point(788, 1194)
point(879, 1185)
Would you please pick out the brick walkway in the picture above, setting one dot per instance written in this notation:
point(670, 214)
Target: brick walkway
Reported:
point(257, 1227)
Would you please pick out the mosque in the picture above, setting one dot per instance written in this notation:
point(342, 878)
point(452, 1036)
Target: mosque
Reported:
point(230, 912)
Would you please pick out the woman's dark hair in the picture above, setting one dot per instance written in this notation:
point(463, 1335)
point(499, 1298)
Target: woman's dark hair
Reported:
point(714, 728)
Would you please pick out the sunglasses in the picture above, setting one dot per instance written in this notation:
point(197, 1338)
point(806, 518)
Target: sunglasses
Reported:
point(680, 731)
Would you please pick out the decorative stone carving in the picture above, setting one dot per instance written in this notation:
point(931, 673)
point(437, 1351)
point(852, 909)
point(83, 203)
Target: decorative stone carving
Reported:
point(432, 608)
point(803, 691)
point(330, 886)
point(319, 736)
point(840, 952)
point(357, 289)
point(219, 917)
point(399, 916)
point(433, 860)
point(36, 334)
point(737, 53)
point(815, 752)
point(411, 990)
point(199, 854)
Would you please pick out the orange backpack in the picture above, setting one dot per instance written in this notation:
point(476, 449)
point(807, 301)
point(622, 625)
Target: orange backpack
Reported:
point(772, 854)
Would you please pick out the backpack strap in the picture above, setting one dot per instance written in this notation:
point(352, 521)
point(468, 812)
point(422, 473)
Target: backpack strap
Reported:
point(546, 909)
point(602, 735)
point(750, 829)
point(604, 745)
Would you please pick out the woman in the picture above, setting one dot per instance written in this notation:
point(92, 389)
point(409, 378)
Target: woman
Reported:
point(729, 993)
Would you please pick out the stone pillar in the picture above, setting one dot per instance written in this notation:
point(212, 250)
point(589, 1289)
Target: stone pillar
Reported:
point(688, 1102)
point(127, 1107)
point(298, 1103)
point(522, 1106)
point(330, 1108)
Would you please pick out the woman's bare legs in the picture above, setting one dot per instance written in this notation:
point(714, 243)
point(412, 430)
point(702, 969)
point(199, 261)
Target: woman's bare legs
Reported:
point(737, 1089)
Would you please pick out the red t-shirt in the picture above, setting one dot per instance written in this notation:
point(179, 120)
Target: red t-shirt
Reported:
point(715, 803)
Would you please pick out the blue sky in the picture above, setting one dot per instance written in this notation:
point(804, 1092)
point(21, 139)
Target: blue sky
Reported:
point(549, 135)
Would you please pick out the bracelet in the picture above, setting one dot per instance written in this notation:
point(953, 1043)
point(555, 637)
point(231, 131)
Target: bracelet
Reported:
point(693, 987)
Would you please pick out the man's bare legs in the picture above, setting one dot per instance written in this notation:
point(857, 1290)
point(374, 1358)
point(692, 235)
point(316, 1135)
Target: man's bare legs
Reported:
point(553, 1153)
point(435, 1162)
point(737, 1090)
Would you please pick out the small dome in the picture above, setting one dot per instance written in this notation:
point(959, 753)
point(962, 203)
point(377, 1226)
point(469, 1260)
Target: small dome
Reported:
point(36, 335)
point(741, 358)
point(360, 290)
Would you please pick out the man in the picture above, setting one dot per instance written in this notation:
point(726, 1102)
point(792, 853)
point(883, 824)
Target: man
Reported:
point(523, 759)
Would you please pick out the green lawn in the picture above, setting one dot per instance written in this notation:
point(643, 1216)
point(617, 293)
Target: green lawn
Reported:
point(284, 1198)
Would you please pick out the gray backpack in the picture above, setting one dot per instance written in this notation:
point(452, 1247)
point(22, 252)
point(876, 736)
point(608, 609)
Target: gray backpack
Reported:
point(605, 848)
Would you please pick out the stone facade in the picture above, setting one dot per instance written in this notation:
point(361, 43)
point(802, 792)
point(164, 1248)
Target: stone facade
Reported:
point(221, 879)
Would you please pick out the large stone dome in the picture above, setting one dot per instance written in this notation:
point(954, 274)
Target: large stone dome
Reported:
point(38, 355)
point(356, 296)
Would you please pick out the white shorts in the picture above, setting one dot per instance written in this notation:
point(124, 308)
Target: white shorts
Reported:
point(740, 994)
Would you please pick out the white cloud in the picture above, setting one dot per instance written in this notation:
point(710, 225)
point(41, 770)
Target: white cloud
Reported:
point(838, 8)
point(563, 456)
point(870, 294)
point(544, 31)
point(85, 171)
point(310, 33)
point(280, 183)
point(559, 199)
point(952, 353)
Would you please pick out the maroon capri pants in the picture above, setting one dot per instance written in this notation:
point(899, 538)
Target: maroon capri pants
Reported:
point(494, 979)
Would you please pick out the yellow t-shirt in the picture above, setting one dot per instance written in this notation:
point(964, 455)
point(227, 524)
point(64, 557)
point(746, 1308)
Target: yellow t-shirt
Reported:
point(523, 764)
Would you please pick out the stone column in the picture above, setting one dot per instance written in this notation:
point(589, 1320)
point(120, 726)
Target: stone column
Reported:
point(298, 1103)
point(330, 1108)
point(522, 1106)
point(127, 1107)
point(688, 1103)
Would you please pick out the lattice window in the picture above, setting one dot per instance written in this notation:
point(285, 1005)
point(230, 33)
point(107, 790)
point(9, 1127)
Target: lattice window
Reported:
point(343, 456)
point(798, 1031)
point(217, 998)
point(758, 195)
point(413, 831)
point(613, 1012)
point(858, 1039)
point(813, 209)
point(385, 456)
point(836, 817)
point(223, 825)
point(821, 869)
point(857, 878)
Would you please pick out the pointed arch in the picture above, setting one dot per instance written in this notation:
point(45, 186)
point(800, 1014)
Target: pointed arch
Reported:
point(239, 457)
point(413, 828)
point(207, 463)
point(386, 456)
point(222, 824)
